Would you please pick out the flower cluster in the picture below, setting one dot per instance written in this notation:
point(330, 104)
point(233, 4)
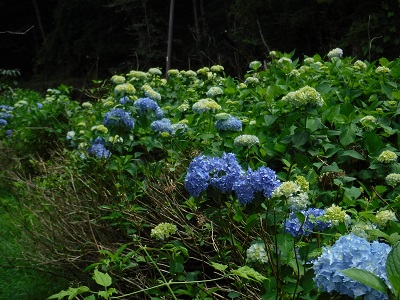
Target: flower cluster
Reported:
point(384, 216)
point(118, 118)
point(336, 215)
point(218, 172)
point(5, 113)
point(125, 100)
point(124, 88)
point(359, 65)
point(337, 52)
point(351, 251)
point(217, 68)
point(163, 231)
point(228, 124)
point(295, 193)
point(246, 140)
point(368, 122)
point(312, 222)
point(382, 70)
point(304, 96)
point(149, 92)
point(98, 150)
point(206, 104)
point(214, 91)
point(70, 135)
point(137, 75)
point(154, 71)
point(163, 125)
point(117, 79)
point(393, 179)
point(256, 253)
point(145, 104)
point(261, 180)
point(387, 156)
point(226, 175)
point(251, 81)
point(255, 65)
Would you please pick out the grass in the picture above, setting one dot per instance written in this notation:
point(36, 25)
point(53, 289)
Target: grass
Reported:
point(19, 279)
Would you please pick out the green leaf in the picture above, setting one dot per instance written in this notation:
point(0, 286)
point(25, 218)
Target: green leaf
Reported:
point(396, 95)
point(352, 153)
point(219, 267)
point(249, 273)
point(102, 279)
point(347, 136)
point(71, 293)
point(393, 268)
point(300, 137)
point(366, 278)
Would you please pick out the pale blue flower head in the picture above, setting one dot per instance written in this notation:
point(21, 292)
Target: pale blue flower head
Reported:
point(163, 125)
point(351, 251)
point(3, 122)
point(214, 91)
point(118, 118)
point(97, 149)
point(145, 104)
point(229, 124)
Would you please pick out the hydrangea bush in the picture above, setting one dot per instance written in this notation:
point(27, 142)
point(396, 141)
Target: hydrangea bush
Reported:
point(263, 187)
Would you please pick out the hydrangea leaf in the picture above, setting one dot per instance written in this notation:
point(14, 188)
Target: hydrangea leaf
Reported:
point(219, 267)
point(101, 278)
point(393, 268)
point(366, 278)
point(249, 273)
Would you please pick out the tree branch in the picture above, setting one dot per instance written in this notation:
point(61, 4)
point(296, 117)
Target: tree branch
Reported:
point(18, 32)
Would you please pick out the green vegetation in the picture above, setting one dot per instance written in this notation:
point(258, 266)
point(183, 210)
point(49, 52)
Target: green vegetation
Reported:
point(20, 279)
point(204, 186)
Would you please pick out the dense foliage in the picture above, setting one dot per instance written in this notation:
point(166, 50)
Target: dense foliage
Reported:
point(88, 39)
point(284, 185)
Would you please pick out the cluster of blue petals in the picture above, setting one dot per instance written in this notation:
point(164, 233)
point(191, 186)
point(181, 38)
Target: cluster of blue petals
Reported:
point(5, 114)
point(230, 124)
point(261, 180)
point(297, 228)
point(97, 149)
point(351, 251)
point(218, 172)
point(163, 125)
point(118, 118)
point(227, 175)
point(145, 104)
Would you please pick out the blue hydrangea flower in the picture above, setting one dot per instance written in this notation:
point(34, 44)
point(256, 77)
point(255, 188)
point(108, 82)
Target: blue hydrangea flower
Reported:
point(218, 172)
point(118, 118)
point(145, 104)
point(125, 100)
point(163, 125)
point(351, 251)
point(40, 105)
point(197, 177)
point(230, 124)
point(311, 222)
point(225, 172)
point(98, 149)
point(262, 180)
point(9, 133)
point(3, 122)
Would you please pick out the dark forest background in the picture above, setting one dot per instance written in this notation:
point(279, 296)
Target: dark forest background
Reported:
point(49, 40)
